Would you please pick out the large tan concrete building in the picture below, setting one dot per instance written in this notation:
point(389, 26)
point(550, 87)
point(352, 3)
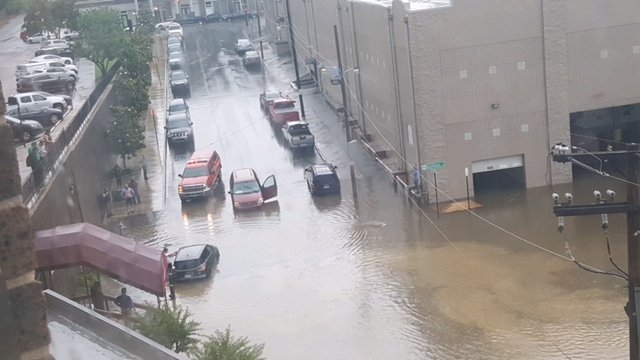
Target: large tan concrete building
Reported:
point(487, 86)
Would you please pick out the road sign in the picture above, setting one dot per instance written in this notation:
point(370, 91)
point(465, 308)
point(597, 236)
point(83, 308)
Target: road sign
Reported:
point(438, 165)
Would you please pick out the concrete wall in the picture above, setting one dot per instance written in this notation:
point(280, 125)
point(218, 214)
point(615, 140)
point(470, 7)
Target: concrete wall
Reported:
point(88, 167)
point(22, 303)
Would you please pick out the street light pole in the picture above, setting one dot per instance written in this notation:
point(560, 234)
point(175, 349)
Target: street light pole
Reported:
point(295, 58)
point(342, 88)
point(259, 29)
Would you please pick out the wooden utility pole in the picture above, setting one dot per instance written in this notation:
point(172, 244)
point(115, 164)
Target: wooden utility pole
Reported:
point(345, 110)
point(631, 208)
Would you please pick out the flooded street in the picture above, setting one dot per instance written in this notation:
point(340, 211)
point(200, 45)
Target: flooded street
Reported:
point(375, 278)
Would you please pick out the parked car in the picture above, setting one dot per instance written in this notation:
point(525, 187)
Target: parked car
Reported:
point(174, 49)
point(36, 38)
point(179, 129)
point(243, 45)
point(283, 110)
point(69, 35)
point(40, 99)
point(195, 261)
point(57, 71)
point(61, 43)
point(174, 40)
point(246, 191)
point(175, 29)
point(25, 130)
point(176, 61)
point(45, 82)
point(201, 174)
point(322, 179)
point(28, 69)
point(41, 58)
point(60, 64)
point(178, 106)
point(45, 116)
point(251, 58)
point(267, 98)
point(298, 135)
point(55, 50)
point(180, 83)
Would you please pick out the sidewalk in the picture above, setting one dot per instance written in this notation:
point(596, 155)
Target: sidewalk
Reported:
point(153, 152)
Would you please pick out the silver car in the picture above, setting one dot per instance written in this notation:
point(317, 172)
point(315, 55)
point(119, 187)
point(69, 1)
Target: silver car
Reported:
point(176, 61)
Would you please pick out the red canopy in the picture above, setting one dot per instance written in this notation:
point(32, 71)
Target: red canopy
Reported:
point(117, 256)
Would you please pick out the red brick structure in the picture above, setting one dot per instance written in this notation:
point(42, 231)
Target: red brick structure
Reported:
point(23, 324)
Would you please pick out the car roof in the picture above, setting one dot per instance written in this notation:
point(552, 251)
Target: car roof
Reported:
point(201, 155)
point(243, 174)
point(190, 252)
point(178, 101)
point(251, 53)
point(243, 41)
point(180, 116)
point(323, 169)
point(273, 95)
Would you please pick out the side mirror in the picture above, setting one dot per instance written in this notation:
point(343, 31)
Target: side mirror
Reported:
point(229, 192)
point(166, 128)
point(180, 176)
point(190, 123)
point(12, 100)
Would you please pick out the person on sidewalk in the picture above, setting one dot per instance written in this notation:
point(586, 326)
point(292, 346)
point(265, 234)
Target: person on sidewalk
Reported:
point(128, 194)
point(35, 163)
point(42, 151)
point(107, 200)
point(143, 164)
point(117, 173)
point(136, 193)
point(49, 145)
point(97, 297)
point(125, 302)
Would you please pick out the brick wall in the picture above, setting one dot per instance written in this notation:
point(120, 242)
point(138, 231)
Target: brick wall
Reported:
point(21, 300)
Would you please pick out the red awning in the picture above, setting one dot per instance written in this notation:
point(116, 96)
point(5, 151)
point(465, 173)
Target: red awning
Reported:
point(114, 255)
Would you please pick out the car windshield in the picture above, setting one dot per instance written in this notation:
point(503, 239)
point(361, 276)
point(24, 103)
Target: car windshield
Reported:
point(187, 264)
point(284, 104)
point(175, 27)
point(328, 179)
point(243, 43)
point(178, 123)
point(192, 172)
point(178, 75)
point(246, 187)
point(300, 129)
point(177, 108)
point(175, 56)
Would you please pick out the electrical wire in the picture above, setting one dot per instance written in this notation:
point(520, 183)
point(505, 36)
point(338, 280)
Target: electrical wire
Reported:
point(589, 268)
point(626, 275)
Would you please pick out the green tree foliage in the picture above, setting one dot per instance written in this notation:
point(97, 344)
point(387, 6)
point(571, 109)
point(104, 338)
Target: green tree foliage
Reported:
point(131, 92)
point(64, 16)
point(38, 17)
point(173, 328)
point(13, 7)
point(135, 57)
point(102, 36)
point(125, 133)
point(145, 23)
point(224, 346)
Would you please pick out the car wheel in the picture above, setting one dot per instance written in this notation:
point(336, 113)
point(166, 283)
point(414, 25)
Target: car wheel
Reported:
point(68, 62)
point(53, 119)
point(59, 107)
point(26, 136)
point(70, 85)
point(30, 41)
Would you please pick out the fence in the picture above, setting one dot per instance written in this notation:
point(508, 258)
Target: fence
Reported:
point(33, 184)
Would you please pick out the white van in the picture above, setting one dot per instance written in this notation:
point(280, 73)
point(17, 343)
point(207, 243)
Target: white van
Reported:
point(28, 68)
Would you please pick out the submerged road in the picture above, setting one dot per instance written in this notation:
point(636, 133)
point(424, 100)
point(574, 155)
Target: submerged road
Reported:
point(334, 278)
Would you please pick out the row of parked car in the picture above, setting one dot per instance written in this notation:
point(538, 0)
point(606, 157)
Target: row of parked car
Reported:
point(52, 69)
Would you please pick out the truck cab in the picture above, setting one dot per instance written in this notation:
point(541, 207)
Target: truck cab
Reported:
point(200, 176)
point(298, 135)
point(283, 110)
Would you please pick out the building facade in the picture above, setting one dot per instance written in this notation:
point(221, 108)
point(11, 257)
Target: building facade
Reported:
point(479, 91)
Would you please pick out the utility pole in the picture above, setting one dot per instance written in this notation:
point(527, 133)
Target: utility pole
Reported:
point(259, 29)
point(295, 58)
point(562, 153)
point(345, 111)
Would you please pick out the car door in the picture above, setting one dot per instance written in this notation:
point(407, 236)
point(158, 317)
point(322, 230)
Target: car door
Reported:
point(27, 103)
point(46, 82)
point(269, 188)
point(37, 102)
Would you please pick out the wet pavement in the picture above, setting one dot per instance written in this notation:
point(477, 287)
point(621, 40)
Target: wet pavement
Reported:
point(377, 277)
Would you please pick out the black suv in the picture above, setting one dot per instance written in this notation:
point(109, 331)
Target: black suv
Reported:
point(180, 83)
point(322, 179)
point(195, 261)
point(48, 82)
point(179, 129)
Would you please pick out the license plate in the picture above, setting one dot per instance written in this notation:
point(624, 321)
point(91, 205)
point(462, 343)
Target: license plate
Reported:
point(186, 276)
point(326, 186)
point(302, 137)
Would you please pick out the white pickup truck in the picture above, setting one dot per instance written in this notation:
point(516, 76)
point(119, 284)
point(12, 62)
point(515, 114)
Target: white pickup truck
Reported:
point(298, 135)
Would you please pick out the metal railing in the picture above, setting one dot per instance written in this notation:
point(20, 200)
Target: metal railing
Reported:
point(34, 183)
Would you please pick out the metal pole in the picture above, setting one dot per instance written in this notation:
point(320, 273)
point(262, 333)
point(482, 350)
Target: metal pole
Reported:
point(24, 143)
point(413, 96)
point(356, 64)
point(466, 175)
point(352, 170)
point(633, 250)
point(435, 185)
point(295, 58)
point(396, 88)
point(344, 93)
point(259, 30)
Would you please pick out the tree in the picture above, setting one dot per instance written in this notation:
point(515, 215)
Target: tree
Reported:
point(101, 35)
point(38, 17)
point(125, 134)
point(145, 22)
point(131, 92)
point(64, 16)
point(135, 57)
point(13, 7)
point(224, 346)
point(172, 328)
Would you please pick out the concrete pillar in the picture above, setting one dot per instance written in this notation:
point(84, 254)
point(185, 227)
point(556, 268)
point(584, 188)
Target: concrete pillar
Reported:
point(26, 306)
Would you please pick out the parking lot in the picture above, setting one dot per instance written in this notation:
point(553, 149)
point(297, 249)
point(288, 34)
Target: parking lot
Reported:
point(15, 52)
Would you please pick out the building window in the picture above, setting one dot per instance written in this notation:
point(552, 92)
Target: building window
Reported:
point(496, 132)
point(524, 128)
point(463, 74)
point(467, 136)
point(522, 65)
point(492, 69)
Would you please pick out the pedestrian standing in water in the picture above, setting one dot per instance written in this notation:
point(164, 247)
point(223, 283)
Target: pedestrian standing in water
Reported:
point(136, 193)
point(107, 200)
point(143, 164)
point(128, 194)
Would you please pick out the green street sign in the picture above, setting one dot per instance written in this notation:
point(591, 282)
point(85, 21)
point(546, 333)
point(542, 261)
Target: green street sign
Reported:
point(438, 165)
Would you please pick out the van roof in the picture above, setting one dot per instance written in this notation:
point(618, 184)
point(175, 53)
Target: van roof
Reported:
point(200, 156)
point(243, 174)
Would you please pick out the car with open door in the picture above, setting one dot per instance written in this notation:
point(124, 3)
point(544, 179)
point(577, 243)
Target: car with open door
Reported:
point(194, 261)
point(247, 192)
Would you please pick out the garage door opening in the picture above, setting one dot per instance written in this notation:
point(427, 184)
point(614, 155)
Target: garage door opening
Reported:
point(498, 175)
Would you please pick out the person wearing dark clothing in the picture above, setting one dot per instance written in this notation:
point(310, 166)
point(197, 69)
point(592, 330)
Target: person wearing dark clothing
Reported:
point(117, 173)
point(107, 200)
point(97, 298)
point(35, 163)
point(124, 302)
point(136, 193)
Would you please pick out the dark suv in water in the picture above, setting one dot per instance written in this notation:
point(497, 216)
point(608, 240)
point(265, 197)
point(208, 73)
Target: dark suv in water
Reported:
point(180, 84)
point(48, 82)
point(195, 261)
point(322, 179)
